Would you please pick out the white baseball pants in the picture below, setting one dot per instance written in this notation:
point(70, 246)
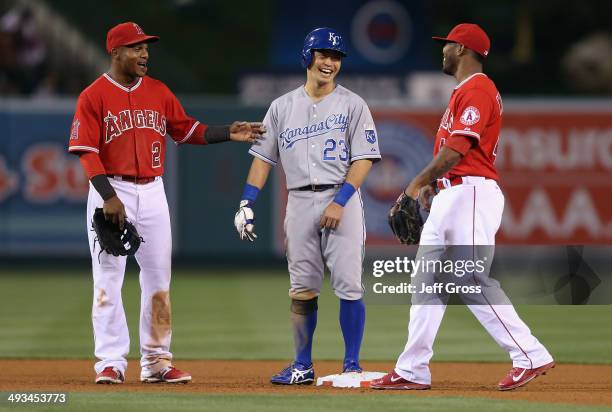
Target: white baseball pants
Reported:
point(466, 214)
point(147, 208)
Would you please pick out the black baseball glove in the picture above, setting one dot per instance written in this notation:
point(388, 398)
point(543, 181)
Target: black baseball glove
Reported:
point(406, 221)
point(112, 239)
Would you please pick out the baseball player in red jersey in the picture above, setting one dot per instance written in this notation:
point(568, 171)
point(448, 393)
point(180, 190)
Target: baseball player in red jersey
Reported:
point(119, 131)
point(466, 211)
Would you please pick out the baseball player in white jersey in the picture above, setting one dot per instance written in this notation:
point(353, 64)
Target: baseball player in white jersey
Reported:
point(325, 139)
point(465, 213)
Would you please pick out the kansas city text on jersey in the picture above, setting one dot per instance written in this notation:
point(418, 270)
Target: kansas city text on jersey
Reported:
point(337, 121)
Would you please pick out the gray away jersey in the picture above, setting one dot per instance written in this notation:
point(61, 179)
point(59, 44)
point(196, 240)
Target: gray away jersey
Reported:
point(317, 142)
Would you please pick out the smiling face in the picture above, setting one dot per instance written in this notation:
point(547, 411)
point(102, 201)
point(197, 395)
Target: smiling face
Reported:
point(325, 66)
point(132, 60)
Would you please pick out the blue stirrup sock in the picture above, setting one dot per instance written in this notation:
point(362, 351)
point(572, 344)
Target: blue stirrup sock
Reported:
point(304, 324)
point(352, 323)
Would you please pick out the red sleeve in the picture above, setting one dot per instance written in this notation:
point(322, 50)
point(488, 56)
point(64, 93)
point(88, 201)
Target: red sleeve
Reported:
point(182, 128)
point(472, 113)
point(92, 164)
point(86, 128)
point(460, 144)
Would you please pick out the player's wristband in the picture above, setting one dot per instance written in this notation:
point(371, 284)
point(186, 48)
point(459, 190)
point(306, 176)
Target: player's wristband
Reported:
point(250, 193)
point(103, 187)
point(217, 134)
point(344, 194)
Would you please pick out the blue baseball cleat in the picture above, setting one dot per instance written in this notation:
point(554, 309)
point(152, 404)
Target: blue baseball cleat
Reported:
point(294, 374)
point(351, 366)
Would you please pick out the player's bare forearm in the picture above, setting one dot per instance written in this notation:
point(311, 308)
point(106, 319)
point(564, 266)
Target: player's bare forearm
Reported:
point(258, 174)
point(445, 160)
point(358, 171)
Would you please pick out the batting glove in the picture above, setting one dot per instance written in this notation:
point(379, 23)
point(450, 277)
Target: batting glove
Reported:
point(244, 221)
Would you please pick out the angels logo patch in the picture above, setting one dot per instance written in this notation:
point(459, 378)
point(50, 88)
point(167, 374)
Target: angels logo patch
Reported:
point(470, 116)
point(74, 132)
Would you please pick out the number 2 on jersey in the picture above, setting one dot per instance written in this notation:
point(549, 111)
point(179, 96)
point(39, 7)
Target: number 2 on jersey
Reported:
point(329, 153)
point(156, 154)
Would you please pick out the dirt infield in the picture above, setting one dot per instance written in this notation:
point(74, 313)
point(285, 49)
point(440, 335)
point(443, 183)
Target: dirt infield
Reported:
point(577, 384)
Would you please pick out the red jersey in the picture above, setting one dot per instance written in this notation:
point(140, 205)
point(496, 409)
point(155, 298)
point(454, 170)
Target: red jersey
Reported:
point(474, 112)
point(126, 127)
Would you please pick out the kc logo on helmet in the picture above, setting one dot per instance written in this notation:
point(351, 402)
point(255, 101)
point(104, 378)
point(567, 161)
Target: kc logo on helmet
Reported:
point(334, 38)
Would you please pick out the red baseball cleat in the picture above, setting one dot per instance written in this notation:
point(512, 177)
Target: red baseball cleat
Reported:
point(394, 381)
point(518, 377)
point(110, 374)
point(168, 374)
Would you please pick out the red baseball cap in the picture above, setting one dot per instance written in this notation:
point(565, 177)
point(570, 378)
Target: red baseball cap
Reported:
point(126, 34)
point(471, 36)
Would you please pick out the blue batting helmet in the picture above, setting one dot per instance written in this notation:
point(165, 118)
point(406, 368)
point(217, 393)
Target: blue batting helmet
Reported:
point(322, 38)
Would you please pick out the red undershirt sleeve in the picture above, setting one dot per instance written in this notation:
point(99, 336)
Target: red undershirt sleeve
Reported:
point(92, 164)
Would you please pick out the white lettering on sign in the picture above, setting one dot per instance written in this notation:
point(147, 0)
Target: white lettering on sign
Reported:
point(538, 148)
point(538, 213)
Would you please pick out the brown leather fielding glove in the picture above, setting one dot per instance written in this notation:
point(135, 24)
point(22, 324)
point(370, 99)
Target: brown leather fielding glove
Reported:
point(406, 221)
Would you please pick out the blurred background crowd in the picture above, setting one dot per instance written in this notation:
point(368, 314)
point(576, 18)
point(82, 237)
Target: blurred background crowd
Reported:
point(551, 61)
point(553, 47)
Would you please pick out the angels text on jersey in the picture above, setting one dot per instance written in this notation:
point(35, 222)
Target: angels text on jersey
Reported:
point(115, 125)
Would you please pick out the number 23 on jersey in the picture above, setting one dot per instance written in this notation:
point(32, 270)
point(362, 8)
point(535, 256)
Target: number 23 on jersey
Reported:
point(335, 149)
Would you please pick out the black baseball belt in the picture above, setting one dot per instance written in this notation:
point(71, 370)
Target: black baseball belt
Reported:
point(316, 188)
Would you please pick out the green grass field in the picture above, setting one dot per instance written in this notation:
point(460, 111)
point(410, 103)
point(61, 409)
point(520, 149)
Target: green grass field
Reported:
point(245, 316)
point(229, 315)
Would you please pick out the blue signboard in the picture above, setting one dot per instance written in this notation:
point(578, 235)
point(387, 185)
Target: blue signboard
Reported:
point(383, 36)
point(43, 190)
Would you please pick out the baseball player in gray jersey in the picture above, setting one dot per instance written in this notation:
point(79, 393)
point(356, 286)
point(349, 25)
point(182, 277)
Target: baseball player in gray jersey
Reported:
point(324, 136)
